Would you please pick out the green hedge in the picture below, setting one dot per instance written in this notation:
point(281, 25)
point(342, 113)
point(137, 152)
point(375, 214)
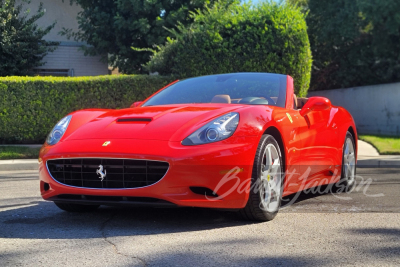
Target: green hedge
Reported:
point(268, 37)
point(30, 106)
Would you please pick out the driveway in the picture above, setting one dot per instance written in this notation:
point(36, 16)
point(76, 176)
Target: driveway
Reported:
point(358, 229)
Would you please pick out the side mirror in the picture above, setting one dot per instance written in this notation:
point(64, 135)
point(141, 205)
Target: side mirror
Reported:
point(316, 103)
point(134, 105)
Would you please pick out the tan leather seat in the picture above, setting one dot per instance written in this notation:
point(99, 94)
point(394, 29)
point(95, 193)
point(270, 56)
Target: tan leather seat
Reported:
point(295, 103)
point(221, 99)
point(301, 101)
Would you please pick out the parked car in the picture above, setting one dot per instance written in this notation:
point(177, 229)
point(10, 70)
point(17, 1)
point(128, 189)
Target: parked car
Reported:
point(238, 141)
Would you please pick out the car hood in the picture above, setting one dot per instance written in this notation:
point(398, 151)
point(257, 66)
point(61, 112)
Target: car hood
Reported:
point(172, 122)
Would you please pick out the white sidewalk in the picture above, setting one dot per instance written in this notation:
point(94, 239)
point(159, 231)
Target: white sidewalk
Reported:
point(368, 157)
point(366, 149)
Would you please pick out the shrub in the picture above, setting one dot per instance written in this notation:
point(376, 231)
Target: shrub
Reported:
point(21, 40)
point(30, 106)
point(269, 37)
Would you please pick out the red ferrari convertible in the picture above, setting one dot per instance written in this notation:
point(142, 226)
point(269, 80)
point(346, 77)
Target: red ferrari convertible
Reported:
point(230, 141)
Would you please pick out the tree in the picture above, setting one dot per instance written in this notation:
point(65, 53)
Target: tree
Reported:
point(268, 37)
point(302, 4)
point(21, 41)
point(112, 28)
point(354, 42)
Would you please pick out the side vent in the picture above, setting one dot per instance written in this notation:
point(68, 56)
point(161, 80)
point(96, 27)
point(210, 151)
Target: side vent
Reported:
point(203, 191)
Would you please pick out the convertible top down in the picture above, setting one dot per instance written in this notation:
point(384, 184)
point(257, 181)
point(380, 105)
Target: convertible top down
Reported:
point(233, 141)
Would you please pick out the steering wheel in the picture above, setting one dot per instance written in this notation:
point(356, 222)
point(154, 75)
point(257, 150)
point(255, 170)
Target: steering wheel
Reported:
point(270, 100)
point(253, 100)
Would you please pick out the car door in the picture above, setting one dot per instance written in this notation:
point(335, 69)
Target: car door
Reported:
point(292, 126)
point(318, 152)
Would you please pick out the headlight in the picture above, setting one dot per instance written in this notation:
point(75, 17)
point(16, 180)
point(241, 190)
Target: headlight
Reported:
point(58, 131)
point(217, 130)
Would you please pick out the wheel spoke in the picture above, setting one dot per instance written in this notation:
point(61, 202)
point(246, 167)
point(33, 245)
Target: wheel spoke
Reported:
point(349, 172)
point(345, 166)
point(269, 153)
point(348, 145)
point(351, 158)
point(272, 183)
point(275, 167)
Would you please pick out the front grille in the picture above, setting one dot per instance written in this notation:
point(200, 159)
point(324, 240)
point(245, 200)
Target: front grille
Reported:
point(120, 173)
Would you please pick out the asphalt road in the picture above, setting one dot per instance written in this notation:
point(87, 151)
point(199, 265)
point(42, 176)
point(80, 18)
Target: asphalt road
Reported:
point(357, 229)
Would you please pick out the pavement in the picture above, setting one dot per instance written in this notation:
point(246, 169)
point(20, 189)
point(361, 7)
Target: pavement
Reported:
point(322, 229)
point(368, 157)
point(18, 164)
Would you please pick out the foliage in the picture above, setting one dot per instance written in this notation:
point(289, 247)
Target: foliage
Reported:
point(385, 145)
point(19, 152)
point(269, 37)
point(30, 106)
point(111, 28)
point(303, 4)
point(354, 42)
point(21, 45)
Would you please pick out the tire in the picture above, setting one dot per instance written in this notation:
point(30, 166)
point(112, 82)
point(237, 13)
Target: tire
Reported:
point(266, 182)
point(348, 173)
point(76, 207)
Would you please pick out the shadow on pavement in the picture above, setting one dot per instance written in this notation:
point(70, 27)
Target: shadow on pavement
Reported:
point(389, 236)
point(42, 220)
point(34, 219)
point(304, 195)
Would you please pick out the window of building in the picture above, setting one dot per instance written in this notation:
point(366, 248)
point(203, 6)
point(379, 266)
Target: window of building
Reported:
point(55, 72)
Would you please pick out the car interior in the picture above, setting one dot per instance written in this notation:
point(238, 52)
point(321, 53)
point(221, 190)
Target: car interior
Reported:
point(261, 100)
point(298, 102)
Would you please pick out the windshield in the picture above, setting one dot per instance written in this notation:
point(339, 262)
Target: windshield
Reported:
point(235, 88)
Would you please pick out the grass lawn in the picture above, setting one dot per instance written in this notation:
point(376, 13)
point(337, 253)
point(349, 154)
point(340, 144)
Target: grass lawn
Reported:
point(384, 144)
point(18, 152)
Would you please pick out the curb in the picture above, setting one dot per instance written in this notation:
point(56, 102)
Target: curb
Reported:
point(363, 162)
point(19, 165)
point(379, 162)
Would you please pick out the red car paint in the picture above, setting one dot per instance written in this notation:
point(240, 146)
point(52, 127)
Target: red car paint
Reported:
point(315, 139)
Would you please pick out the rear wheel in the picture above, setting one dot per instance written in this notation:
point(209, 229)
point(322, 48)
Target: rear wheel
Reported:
point(347, 180)
point(266, 182)
point(70, 207)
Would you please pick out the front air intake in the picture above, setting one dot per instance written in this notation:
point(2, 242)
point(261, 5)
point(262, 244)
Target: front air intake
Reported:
point(107, 173)
point(134, 120)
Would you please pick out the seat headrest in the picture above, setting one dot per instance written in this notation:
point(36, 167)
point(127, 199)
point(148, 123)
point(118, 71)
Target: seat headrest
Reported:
point(221, 99)
point(295, 103)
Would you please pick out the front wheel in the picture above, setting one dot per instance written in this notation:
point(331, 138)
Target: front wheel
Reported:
point(266, 182)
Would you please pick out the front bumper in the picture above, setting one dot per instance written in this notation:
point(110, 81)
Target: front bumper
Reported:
point(209, 166)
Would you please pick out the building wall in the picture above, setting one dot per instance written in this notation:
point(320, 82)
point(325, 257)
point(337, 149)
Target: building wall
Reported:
point(67, 55)
point(375, 109)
